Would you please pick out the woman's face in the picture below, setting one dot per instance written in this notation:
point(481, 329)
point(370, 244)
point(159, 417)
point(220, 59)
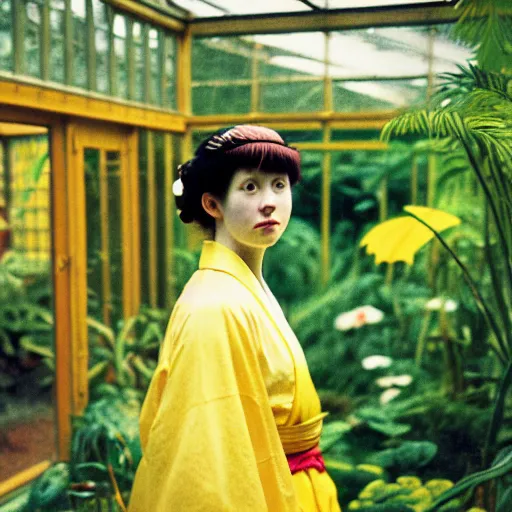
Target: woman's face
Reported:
point(257, 207)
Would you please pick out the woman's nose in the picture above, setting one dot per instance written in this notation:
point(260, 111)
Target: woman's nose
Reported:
point(268, 202)
point(267, 209)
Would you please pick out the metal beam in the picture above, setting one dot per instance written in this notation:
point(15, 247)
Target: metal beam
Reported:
point(39, 97)
point(148, 13)
point(296, 117)
point(335, 19)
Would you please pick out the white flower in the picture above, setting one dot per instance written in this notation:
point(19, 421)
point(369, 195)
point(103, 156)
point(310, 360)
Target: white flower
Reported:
point(373, 362)
point(388, 395)
point(177, 187)
point(358, 317)
point(438, 303)
point(394, 380)
point(450, 306)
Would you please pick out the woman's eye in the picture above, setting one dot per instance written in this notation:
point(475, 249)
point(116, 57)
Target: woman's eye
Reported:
point(280, 185)
point(249, 187)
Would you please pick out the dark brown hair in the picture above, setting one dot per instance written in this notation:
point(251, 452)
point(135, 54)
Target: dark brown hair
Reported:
point(218, 158)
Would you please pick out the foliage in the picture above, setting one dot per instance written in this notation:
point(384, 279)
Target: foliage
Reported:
point(301, 273)
point(486, 25)
point(501, 467)
point(105, 453)
point(126, 358)
point(475, 110)
point(407, 494)
point(26, 323)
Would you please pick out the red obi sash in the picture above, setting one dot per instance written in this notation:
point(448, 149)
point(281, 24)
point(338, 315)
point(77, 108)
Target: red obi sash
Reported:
point(309, 459)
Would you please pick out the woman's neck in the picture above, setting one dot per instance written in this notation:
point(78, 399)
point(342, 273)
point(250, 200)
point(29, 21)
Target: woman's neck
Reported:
point(252, 256)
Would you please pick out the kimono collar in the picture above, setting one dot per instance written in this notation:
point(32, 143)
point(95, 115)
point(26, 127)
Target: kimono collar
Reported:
point(216, 256)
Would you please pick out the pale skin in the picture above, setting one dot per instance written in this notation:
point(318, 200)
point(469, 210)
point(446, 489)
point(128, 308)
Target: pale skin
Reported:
point(253, 197)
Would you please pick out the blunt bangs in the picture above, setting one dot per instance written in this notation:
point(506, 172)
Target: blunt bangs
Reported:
point(266, 157)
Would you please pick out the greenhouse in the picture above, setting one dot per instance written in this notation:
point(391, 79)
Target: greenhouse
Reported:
point(394, 272)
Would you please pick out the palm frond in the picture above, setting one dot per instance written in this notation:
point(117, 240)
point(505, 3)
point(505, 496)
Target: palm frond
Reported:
point(486, 25)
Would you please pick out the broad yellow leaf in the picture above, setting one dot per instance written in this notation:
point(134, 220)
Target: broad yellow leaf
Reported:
point(401, 238)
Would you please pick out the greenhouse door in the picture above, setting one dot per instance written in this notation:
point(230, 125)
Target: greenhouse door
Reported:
point(104, 236)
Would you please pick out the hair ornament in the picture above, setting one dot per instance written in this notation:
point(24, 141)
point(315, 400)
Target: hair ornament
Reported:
point(177, 188)
point(236, 137)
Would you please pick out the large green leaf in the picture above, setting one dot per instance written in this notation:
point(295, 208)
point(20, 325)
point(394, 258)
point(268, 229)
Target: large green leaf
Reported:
point(502, 467)
point(409, 456)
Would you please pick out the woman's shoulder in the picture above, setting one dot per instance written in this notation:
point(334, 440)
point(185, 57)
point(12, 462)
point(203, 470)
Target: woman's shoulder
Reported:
point(214, 290)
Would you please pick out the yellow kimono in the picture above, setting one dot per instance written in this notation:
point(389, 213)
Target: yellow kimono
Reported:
point(231, 394)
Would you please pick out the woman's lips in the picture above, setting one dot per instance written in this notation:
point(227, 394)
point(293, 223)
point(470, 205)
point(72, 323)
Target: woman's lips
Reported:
point(266, 224)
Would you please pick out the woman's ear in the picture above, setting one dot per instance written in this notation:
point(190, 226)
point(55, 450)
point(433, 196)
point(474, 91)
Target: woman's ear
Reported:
point(211, 205)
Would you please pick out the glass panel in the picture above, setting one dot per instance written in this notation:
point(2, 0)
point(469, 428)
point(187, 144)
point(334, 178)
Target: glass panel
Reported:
point(6, 37)
point(32, 39)
point(221, 74)
point(138, 47)
point(79, 43)
point(222, 7)
point(155, 48)
point(354, 96)
point(101, 41)
point(104, 248)
point(170, 71)
point(113, 161)
point(57, 17)
point(27, 356)
point(364, 185)
point(120, 55)
point(291, 69)
point(235, 7)
point(144, 219)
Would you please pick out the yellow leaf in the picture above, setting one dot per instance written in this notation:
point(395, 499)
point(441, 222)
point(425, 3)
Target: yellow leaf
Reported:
point(401, 238)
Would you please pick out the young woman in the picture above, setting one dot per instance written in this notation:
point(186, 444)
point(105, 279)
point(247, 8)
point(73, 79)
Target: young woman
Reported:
point(231, 420)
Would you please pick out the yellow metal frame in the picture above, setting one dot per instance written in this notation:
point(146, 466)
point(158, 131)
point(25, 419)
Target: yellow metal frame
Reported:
point(184, 67)
point(61, 282)
point(322, 21)
point(147, 13)
point(364, 119)
point(106, 138)
point(39, 96)
point(23, 477)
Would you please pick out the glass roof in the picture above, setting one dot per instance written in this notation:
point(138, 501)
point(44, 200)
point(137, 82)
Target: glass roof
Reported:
point(373, 52)
point(212, 8)
point(368, 61)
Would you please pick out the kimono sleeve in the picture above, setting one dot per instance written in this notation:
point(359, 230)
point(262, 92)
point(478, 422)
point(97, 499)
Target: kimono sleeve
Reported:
point(211, 441)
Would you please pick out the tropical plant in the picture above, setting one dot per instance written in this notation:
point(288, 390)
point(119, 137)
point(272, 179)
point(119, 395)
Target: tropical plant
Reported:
point(127, 358)
point(293, 266)
point(407, 494)
point(474, 109)
point(105, 453)
point(487, 26)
